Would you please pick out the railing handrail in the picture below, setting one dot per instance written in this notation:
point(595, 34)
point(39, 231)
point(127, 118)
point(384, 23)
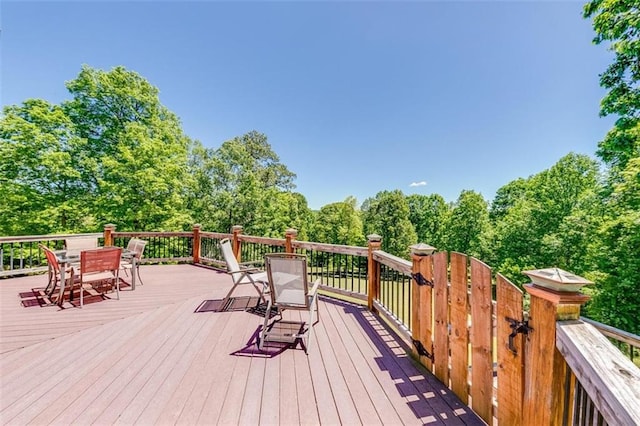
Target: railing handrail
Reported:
point(47, 237)
point(610, 379)
point(331, 248)
point(393, 262)
point(615, 333)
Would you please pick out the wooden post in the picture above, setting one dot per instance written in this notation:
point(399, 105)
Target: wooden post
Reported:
point(235, 241)
point(196, 243)
point(545, 367)
point(289, 237)
point(375, 243)
point(109, 229)
point(421, 305)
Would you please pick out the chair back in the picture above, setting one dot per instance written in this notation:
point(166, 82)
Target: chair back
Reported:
point(288, 282)
point(77, 244)
point(229, 258)
point(136, 246)
point(52, 260)
point(100, 260)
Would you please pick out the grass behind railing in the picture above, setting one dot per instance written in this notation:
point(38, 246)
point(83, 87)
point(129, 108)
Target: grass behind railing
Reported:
point(395, 294)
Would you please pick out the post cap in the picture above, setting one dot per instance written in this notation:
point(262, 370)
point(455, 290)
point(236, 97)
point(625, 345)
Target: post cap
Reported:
point(374, 238)
point(557, 280)
point(236, 228)
point(422, 249)
point(110, 226)
point(197, 225)
point(292, 231)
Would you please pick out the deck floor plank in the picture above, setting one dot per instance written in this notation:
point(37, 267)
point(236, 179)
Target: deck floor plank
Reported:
point(149, 358)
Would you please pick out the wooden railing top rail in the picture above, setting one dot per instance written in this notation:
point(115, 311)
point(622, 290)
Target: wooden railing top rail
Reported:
point(393, 262)
point(261, 240)
point(48, 237)
point(217, 235)
point(152, 234)
point(331, 248)
point(615, 333)
point(610, 379)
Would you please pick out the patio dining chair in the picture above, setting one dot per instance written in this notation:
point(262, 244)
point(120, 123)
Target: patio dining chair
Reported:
point(99, 266)
point(241, 275)
point(135, 248)
point(54, 274)
point(75, 245)
point(289, 289)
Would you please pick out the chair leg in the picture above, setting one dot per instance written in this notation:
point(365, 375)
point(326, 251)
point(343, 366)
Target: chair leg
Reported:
point(117, 280)
point(138, 270)
point(227, 297)
point(263, 332)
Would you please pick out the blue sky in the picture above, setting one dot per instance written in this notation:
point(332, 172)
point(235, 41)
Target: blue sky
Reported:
point(355, 97)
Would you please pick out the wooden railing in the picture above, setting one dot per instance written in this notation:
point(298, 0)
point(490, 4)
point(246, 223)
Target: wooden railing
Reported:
point(21, 255)
point(464, 323)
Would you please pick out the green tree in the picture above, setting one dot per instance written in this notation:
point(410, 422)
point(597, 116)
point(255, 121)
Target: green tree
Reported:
point(387, 214)
point(617, 21)
point(468, 225)
point(339, 223)
point(617, 297)
point(135, 161)
point(41, 189)
point(548, 219)
point(244, 174)
point(615, 252)
point(429, 214)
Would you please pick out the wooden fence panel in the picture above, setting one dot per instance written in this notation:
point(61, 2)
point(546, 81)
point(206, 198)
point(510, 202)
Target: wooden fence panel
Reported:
point(459, 336)
point(426, 307)
point(481, 341)
point(510, 363)
point(441, 317)
point(422, 308)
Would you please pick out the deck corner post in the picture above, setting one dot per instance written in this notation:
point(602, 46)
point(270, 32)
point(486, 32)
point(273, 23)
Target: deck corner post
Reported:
point(545, 368)
point(235, 242)
point(196, 242)
point(109, 229)
point(373, 267)
point(421, 303)
point(289, 236)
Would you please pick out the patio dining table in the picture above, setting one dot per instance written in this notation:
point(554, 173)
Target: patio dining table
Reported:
point(73, 260)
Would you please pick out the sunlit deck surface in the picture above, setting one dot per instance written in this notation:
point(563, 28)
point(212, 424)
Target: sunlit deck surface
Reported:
point(153, 357)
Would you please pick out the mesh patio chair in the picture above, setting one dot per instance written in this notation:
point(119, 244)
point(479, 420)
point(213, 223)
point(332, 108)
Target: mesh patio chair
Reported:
point(135, 248)
point(289, 289)
point(75, 245)
point(241, 275)
point(100, 266)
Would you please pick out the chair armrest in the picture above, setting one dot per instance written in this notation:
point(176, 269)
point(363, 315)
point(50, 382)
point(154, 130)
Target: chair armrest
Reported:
point(254, 269)
point(314, 289)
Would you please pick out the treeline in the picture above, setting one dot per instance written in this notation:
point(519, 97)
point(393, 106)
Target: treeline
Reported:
point(114, 154)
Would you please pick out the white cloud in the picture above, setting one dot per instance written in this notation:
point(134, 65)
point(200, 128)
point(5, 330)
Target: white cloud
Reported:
point(421, 183)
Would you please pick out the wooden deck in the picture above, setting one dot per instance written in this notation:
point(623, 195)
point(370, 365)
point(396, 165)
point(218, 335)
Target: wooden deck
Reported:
point(150, 358)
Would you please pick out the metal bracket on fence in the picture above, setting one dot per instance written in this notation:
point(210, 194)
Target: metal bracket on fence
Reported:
point(517, 327)
point(421, 280)
point(422, 351)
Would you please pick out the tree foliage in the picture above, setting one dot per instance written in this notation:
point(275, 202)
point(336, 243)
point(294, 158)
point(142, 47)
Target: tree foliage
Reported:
point(429, 215)
point(468, 225)
point(618, 22)
point(387, 214)
point(339, 223)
